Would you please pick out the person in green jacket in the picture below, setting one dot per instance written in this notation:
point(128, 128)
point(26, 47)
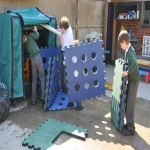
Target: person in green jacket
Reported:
point(30, 44)
point(133, 81)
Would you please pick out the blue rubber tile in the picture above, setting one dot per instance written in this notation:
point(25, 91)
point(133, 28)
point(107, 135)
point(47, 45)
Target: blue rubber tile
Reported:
point(86, 60)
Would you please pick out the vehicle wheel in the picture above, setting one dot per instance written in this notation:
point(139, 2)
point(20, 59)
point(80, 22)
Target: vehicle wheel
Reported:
point(4, 105)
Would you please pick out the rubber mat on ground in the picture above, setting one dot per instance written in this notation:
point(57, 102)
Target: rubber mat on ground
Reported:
point(43, 137)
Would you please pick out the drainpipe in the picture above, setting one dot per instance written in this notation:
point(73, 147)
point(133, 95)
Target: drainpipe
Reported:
point(77, 21)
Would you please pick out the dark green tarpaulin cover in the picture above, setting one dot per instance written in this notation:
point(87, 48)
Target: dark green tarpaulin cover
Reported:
point(17, 58)
point(11, 50)
point(11, 55)
point(5, 49)
point(31, 16)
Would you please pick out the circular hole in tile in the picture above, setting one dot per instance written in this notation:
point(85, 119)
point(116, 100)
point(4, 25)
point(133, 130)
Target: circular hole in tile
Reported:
point(76, 73)
point(96, 83)
point(45, 71)
point(57, 58)
point(74, 59)
point(85, 71)
point(59, 82)
point(86, 85)
point(84, 58)
point(60, 104)
point(58, 69)
point(93, 55)
point(63, 98)
point(95, 69)
point(44, 60)
point(77, 87)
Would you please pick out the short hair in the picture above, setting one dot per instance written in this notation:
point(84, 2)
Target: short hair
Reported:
point(124, 36)
point(64, 23)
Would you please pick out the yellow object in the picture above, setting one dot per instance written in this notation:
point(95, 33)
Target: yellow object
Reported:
point(109, 85)
point(143, 62)
point(27, 71)
point(122, 28)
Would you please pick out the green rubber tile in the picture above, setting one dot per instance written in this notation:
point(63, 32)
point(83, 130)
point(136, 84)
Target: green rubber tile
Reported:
point(44, 136)
point(118, 94)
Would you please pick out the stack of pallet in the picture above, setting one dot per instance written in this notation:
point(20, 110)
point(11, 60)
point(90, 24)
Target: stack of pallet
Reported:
point(118, 103)
point(144, 68)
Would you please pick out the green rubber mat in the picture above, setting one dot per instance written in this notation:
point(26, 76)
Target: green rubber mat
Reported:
point(118, 95)
point(44, 136)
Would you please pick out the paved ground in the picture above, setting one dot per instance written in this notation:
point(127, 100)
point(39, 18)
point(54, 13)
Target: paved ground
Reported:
point(95, 117)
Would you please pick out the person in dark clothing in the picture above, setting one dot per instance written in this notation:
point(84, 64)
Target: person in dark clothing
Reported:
point(29, 41)
point(133, 81)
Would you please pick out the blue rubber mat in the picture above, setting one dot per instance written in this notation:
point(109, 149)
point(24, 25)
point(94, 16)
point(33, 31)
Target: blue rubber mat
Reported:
point(61, 102)
point(85, 71)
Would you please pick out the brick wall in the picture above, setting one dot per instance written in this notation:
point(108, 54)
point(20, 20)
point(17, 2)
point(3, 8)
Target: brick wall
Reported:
point(137, 32)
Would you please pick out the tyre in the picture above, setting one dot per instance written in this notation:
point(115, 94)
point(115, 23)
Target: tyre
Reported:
point(4, 104)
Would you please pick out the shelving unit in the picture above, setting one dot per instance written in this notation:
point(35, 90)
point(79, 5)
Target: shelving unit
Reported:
point(142, 19)
point(126, 10)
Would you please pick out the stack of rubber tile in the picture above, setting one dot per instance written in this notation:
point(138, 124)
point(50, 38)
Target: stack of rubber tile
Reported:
point(118, 103)
point(53, 81)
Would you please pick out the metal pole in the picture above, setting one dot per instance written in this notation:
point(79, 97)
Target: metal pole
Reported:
point(77, 20)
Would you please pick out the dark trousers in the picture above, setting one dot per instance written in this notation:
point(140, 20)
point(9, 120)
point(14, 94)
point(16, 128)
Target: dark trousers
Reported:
point(64, 82)
point(37, 66)
point(130, 102)
point(63, 78)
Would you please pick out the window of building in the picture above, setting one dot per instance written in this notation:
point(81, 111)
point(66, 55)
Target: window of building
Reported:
point(145, 18)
